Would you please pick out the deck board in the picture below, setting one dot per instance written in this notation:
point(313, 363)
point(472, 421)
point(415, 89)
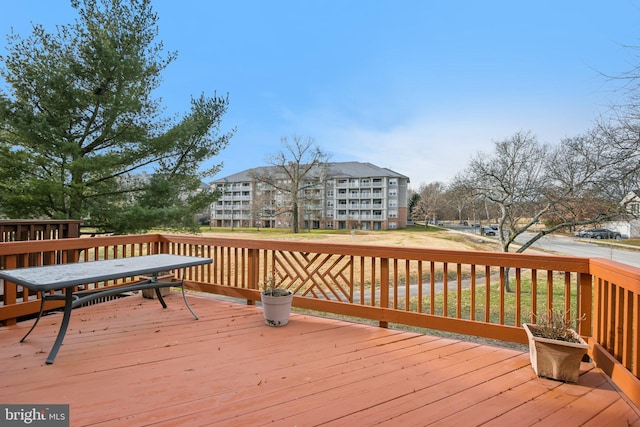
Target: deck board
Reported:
point(130, 362)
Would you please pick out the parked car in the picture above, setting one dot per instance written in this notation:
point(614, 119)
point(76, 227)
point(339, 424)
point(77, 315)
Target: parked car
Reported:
point(489, 231)
point(579, 233)
point(601, 233)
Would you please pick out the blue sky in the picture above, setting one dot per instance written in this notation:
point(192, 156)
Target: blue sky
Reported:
point(417, 86)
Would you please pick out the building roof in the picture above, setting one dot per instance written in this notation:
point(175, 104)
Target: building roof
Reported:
point(361, 170)
point(336, 170)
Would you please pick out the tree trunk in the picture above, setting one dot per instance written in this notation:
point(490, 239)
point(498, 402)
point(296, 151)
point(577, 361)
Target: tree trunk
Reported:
point(295, 216)
point(507, 288)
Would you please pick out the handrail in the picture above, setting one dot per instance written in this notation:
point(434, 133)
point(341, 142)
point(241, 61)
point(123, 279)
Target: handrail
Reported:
point(456, 291)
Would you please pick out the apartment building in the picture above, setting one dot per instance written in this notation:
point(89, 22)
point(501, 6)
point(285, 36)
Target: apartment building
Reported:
point(340, 196)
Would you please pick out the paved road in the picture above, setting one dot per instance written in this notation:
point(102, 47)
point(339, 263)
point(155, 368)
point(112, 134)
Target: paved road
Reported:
point(569, 245)
point(586, 248)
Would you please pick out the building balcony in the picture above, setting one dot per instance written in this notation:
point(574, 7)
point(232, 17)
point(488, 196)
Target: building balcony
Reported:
point(234, 216)
point(128, 361)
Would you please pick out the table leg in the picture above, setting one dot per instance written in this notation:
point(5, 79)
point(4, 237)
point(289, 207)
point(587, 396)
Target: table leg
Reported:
point(184, 297)
point(68, 302)
point(160, 298)
point(42, 299)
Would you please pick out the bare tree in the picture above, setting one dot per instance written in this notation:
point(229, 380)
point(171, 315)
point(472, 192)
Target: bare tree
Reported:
point(587, 185)
point(428, 205)
point(564, 186)
point(622, 131)
point(262, 207)
point(460, 198)
point(296, 174)
point(620, 145)
point(512, 179)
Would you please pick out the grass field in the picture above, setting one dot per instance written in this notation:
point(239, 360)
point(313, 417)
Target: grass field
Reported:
point(431, 237)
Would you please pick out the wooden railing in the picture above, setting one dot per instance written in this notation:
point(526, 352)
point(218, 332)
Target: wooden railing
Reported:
point(338, 279)
point(28, 229)
point(615, 337)
point(483, 294)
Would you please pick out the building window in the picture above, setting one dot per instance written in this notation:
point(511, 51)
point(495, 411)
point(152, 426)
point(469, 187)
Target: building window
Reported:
point(393, 192)
point(393, 181)
point(393, 225)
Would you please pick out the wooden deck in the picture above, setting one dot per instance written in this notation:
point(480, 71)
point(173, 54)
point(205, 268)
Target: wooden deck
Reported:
point(131, 363)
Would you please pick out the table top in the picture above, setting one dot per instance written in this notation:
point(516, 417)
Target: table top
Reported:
point(52, 277)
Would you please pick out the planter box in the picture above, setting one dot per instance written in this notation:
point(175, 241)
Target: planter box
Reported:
point(151, 293)
point(276, 309)
point(555, 359)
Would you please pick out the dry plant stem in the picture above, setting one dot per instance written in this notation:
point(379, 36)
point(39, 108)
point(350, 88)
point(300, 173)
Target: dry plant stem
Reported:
point(272, 284)
point(555, 325)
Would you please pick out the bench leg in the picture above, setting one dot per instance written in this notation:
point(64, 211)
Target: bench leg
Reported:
point(63, 326)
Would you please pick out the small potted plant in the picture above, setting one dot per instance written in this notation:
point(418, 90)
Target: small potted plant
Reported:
point(276, 301)
point(555, 349)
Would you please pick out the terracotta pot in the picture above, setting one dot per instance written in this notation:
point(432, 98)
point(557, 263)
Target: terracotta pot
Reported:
point(555, 359)
point(276, 309)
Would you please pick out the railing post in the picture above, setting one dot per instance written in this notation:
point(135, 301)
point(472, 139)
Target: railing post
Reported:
point(162, 247)
point(585, 304)
point(253, 269)
point(10, 289)
point(384, 288)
